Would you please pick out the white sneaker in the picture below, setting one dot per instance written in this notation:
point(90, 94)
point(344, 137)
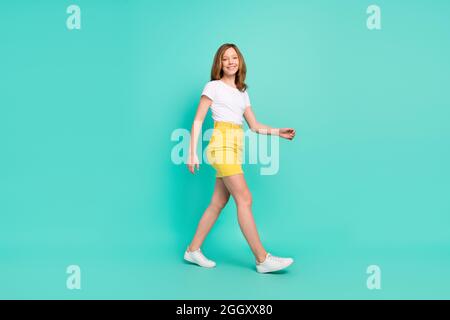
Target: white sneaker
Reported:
point(197, 257)
point(273, 263)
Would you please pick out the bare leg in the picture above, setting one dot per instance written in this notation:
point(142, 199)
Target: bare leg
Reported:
point(238, 188)
point(219, 200)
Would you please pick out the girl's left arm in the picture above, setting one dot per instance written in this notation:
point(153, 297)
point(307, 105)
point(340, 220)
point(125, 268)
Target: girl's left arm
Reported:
point(255, 126)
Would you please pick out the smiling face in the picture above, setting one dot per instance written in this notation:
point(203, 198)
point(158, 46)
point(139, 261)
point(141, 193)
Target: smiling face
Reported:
point(230, 62)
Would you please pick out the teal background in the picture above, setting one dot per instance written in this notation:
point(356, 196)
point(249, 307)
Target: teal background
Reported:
point(86, 176)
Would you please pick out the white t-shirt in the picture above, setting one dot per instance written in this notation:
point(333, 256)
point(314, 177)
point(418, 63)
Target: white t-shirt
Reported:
point(228, 103)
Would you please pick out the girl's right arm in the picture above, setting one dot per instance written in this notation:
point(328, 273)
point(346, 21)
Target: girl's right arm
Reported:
point(202, 109)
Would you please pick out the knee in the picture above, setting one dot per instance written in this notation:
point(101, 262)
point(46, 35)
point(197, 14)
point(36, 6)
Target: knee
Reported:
point(245, 199)
point(219, 204)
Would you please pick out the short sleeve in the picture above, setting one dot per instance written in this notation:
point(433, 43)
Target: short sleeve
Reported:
point(246, 99)
point(209, 90)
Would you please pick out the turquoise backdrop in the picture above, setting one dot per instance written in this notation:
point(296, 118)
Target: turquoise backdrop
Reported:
point(86, 176)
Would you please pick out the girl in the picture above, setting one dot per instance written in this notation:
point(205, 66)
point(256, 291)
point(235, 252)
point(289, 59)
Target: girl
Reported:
point(227, 96)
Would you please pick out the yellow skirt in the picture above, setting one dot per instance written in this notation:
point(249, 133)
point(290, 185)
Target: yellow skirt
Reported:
point(224, 151)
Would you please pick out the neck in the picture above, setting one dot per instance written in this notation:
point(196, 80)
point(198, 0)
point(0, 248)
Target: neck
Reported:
point(229, 79)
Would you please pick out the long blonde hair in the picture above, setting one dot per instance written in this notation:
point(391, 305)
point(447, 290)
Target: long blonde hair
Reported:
point(217, 72)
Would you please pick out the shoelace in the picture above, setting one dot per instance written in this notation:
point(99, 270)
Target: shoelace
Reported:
point(202, 255)
point(278, 259)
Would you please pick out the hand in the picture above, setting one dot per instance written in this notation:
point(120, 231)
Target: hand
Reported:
point(192, 163)
point(287, 133)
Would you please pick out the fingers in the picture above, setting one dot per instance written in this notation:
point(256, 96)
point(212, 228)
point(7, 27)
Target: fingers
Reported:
point(289, 133)
point(192, 167)
point(287, 130)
